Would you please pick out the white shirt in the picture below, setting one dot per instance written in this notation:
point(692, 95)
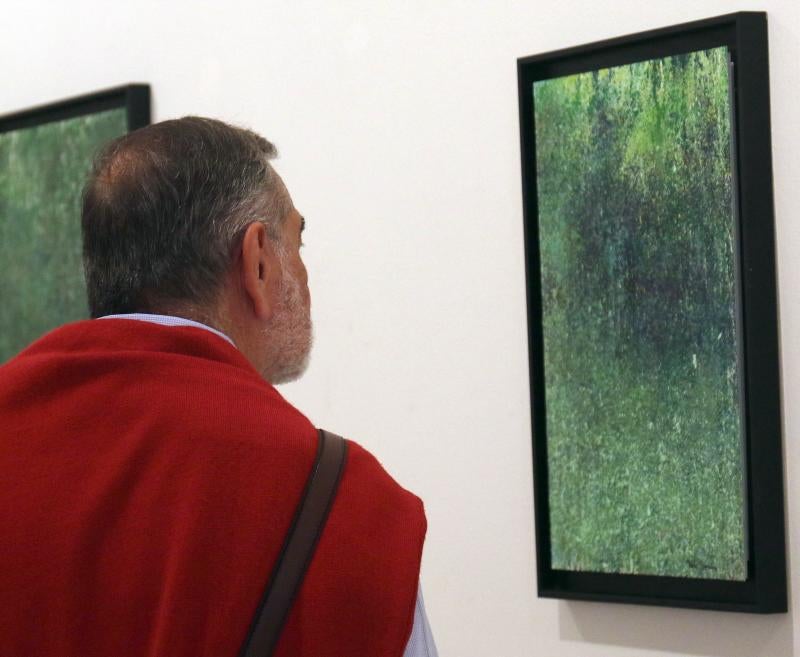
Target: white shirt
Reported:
point(420, 644)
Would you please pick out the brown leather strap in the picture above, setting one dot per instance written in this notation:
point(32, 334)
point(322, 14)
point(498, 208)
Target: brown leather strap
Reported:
point(298, 547)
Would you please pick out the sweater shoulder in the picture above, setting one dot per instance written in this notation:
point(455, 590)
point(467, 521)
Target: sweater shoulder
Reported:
point(378, 490)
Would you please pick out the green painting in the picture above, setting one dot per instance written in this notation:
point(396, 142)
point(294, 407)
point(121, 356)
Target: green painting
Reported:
point(42, 172)
point(637, 237)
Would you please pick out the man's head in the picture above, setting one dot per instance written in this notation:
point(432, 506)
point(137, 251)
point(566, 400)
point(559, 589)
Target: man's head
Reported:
point(188, 217)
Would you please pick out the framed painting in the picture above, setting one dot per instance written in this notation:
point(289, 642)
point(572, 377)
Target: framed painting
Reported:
point(652, 321)
point(45, 156)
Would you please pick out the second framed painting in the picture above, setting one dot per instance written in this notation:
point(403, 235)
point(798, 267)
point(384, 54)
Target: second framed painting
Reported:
point(45, 155)
point(653, 343)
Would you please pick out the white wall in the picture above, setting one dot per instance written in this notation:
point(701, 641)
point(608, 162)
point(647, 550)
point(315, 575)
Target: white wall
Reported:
point(397, 124)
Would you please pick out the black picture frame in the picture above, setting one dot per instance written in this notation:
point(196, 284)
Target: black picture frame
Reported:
point(134, 97)
point(764, 590)
point(49, 269)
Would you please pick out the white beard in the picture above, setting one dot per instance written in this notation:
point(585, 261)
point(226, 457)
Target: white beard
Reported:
point(289, 335)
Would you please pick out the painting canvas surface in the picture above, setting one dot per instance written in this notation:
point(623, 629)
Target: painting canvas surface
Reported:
point(642, 364)
point(42, 172)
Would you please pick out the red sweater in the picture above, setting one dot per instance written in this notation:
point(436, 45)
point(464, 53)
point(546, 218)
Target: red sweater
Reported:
point(148, 476)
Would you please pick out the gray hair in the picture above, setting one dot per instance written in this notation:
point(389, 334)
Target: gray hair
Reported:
point(165, 209)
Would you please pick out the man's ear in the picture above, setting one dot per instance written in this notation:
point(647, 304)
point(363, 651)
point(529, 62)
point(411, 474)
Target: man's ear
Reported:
point(260, 271)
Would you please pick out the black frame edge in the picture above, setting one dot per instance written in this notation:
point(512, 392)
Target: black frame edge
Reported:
point(765, 466)
point(135, 97)
point(534, 315)
point(138, 103)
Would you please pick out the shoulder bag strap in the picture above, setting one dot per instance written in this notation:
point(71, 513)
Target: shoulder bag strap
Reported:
point(298, 547)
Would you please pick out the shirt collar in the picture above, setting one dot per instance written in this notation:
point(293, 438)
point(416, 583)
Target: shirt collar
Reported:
point(167, 320)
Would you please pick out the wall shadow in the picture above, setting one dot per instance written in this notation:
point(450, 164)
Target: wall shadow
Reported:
point(682, 631)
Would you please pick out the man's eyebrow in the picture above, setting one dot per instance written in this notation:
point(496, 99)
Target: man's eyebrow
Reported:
point(302, 223)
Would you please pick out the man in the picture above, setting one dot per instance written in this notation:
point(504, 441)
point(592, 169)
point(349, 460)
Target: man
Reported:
point(149, 470)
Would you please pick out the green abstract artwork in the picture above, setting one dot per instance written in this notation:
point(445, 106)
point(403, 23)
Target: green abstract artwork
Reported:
point(642, 364)
point(42, 172)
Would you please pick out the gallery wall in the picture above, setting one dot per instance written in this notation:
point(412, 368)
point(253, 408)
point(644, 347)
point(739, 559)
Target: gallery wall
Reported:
point(398, 132)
